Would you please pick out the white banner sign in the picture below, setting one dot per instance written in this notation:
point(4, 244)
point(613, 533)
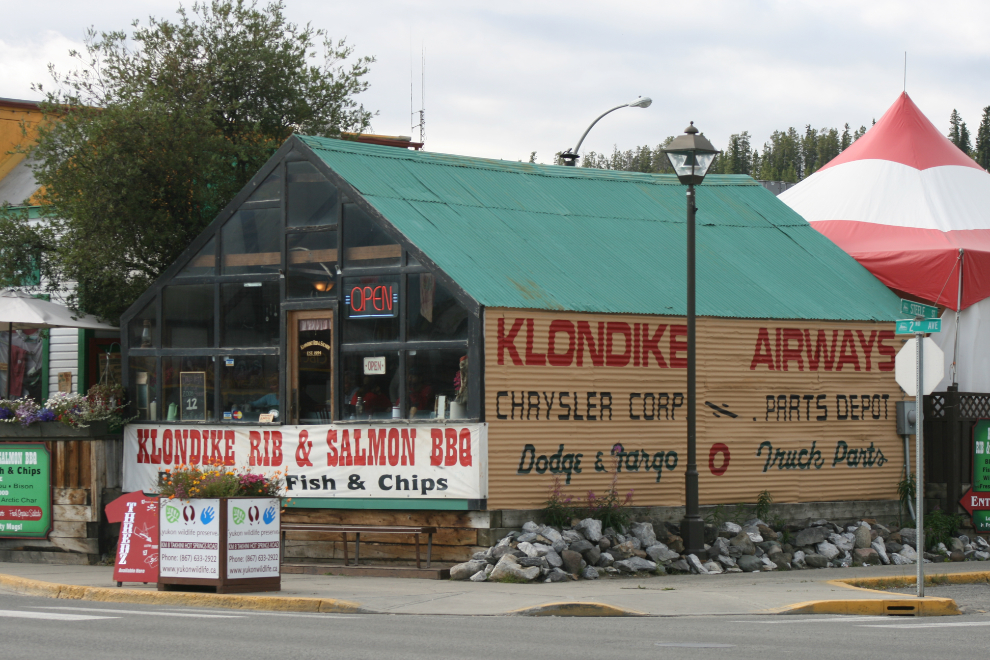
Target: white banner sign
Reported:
point(189, 538)
point(414, 461)
point(252, 538)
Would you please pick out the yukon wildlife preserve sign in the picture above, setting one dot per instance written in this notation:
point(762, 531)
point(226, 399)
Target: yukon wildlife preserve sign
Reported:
point(804, 409)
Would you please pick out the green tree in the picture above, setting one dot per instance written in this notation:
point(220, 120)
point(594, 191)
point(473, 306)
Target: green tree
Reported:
point(737, 157)
point(959, 133)
point(158, 129)
point(982, 151)
point(846, 140)
point(859, 132)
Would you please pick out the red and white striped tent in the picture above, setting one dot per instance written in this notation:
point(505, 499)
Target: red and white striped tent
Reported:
point(915, 211)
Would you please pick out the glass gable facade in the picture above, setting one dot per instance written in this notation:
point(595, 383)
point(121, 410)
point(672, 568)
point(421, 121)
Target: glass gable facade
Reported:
point(316, 313)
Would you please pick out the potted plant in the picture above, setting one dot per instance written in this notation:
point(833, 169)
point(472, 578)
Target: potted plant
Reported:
point(65, 415)
point(219, 527)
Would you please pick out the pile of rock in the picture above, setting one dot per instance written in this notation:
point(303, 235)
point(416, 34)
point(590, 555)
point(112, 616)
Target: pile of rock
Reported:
point(587, 551)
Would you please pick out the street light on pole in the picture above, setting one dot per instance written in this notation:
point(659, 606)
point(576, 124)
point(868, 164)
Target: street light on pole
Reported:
point(691, 155)
point(571, 155)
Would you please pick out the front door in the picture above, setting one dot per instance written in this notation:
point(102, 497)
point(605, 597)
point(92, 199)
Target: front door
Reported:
point(310, 367)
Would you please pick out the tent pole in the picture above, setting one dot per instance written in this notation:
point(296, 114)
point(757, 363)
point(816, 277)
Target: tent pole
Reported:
point(955, 347)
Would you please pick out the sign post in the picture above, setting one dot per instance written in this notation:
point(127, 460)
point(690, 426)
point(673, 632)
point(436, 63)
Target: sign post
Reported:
point(925, 320)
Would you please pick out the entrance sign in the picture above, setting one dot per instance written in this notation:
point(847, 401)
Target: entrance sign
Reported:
point(912, 308)
point(414, 461)
point(981, 456)
point(977, 505)
point(253, 538)
point(909, 326)
point(906, 366)
point(137, 548)
point(25, 491)
point(192, 389)
point(190, 538)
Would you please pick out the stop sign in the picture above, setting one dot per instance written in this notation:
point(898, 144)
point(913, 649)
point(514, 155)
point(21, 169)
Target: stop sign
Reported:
point(906, 366)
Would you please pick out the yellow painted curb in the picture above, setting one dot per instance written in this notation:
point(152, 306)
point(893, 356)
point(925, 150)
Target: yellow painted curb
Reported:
point(30, 587)
point(575, 609)
point(864, 584)
point(876, 607)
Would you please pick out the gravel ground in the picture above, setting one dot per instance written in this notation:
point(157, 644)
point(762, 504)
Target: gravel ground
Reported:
point(971, 598)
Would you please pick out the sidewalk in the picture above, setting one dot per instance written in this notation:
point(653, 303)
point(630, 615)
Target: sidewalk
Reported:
point(682, 595)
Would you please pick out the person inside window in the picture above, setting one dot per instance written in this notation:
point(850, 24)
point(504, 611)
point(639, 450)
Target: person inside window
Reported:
point(420, 393)
point(269, 400)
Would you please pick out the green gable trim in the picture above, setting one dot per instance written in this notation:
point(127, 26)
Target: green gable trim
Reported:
point(528, 236)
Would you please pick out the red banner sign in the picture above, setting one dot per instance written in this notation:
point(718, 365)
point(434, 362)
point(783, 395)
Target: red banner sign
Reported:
point(137, 550)
point(975, 501)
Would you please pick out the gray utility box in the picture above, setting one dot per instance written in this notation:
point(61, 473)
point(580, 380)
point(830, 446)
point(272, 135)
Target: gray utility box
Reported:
point(907, 418)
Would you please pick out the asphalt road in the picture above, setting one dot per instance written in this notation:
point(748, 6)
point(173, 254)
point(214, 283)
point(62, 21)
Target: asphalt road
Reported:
point(76, 630)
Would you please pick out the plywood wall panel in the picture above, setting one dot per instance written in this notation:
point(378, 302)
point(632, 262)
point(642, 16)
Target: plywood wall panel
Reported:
point(809, 369)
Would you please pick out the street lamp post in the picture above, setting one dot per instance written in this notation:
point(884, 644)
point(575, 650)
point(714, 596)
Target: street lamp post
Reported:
point(691, 155)
point(571, 155)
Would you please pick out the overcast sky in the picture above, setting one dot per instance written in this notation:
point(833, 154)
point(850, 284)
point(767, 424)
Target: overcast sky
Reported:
point(510, 77)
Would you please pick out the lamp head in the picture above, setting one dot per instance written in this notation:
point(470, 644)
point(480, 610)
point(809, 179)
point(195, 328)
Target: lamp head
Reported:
point(691, 155)
point(641, 102)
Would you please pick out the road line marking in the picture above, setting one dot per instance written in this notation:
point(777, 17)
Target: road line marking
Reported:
point(955, 624)
point(305, 615)
point(835, 618)
point(100, 609)
point(52, 616)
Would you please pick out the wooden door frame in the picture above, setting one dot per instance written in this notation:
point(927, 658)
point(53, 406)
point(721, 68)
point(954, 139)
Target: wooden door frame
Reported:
point(293, 317)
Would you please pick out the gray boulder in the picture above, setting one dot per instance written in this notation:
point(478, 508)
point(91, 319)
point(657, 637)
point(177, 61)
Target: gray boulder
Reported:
point(713, 567)
point(550, 534)
point(956, 545)
point(754, 533)
point(541, 550)
point(644, 532)
point(768, 564)
point(878, 545)
point(726, 561)
point(482, 556)
point(815, 561)
point(528, 537)
point(557, 575)
point(580, 546)
point(865, 556)
point(527, 549)
point(508, 567)
point(720, 546)
point(661, 553)
point(530, 527)
point(909, 536)
point(841, 542)
point(729, 529)
point(559, 546)
point(553, 559)
point(744, 543)
point(798, 559)
point(624, 550)
point(571, 561)
point(604, 543)
point(592, 555)
point(591, 529)
point(606, 560)
point(809, 536)
point(696, 565)
point(590, 573)
point(572, 536)
point(480, 576)
point(540, 562)
point(467, 569)
point(863, 537)
point(503, 550)
point(899, 560)
point(908, 553)
point(681, 565)
point(827, 550)
point(749, 563)
point(635, 564)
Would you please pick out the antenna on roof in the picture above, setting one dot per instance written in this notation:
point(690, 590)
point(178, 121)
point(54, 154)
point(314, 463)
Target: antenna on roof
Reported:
point(421, 125)
point(905, 71)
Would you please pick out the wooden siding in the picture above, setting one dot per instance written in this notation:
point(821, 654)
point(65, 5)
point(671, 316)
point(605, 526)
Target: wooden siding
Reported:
point(736, 407)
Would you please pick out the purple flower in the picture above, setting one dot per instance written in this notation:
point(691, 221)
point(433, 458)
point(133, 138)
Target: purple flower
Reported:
point(6, 413)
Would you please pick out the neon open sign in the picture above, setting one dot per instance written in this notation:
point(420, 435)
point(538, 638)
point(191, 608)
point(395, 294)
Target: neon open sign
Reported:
point(378, 299)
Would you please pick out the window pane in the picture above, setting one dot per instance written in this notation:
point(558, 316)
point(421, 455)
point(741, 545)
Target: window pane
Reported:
point(251, 242)
point(187, 397)
point(270, 189)
point(312, 271)
point(249, 314)
point(142, 332)
point(188, 311)
point(312, 199)
point(144, 387)
point(249, 387)
point(436, 374)
point(371, 308)
point(433, 312)
point(315, 369)
point(367, 393)
point(203, 264)
point(365, 244)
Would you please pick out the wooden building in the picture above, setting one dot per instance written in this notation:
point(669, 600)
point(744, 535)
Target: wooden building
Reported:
point(433, 339)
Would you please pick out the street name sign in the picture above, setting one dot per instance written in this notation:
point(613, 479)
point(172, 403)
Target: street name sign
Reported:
point(912, 308)
point(912, 326)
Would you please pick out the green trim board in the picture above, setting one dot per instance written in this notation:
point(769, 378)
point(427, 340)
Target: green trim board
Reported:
point(385, 503)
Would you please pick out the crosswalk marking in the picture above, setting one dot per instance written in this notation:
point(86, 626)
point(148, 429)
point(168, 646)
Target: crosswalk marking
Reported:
point(100, 609)
point(53, 616)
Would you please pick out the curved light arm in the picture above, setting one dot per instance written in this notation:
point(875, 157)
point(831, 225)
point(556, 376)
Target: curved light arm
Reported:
point(578, 147)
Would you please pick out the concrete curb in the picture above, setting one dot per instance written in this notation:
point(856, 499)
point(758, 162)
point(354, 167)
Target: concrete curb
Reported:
point(575, 609)
point(875, 607)
point(865, 584)
point(30, 587)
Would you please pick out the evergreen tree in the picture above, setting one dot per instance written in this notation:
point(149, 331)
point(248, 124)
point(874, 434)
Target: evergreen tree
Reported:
point(829, 146)
point(982, 154)
point(846, 140)
point(859, 132)
point(954, 123)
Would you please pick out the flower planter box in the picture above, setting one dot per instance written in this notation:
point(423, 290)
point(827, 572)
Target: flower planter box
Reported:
point(44, 430)
point(232, 544)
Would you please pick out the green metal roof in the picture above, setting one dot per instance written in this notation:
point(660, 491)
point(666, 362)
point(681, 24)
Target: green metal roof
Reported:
point(523, 235)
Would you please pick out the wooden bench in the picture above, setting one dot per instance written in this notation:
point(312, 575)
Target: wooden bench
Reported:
point(357, 530)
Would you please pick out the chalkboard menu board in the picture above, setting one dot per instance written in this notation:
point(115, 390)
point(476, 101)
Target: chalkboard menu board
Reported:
point(192, 390)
